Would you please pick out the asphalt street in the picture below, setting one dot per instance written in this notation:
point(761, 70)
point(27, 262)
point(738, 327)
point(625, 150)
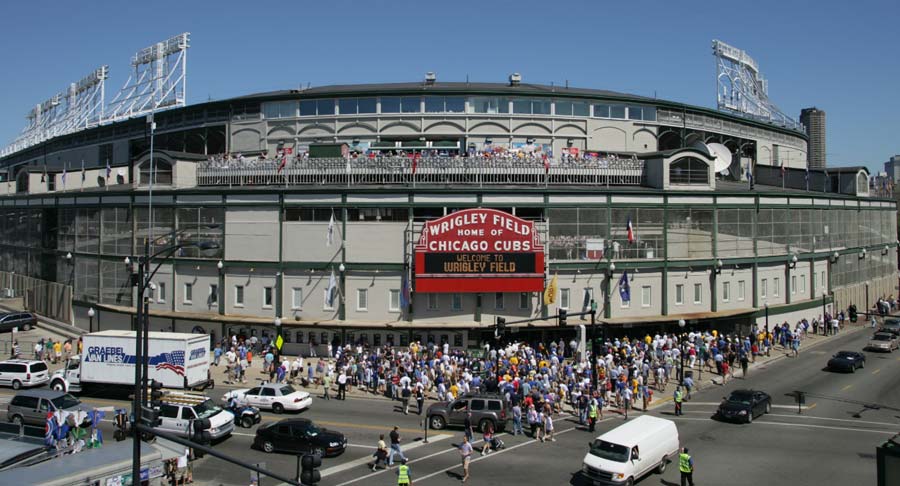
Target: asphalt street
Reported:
point(825, 444)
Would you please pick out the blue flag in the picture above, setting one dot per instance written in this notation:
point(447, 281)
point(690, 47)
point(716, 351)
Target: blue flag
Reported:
point(624, 288)
point(404, 290)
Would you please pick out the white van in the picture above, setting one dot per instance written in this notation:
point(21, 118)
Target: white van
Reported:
point(628, 452)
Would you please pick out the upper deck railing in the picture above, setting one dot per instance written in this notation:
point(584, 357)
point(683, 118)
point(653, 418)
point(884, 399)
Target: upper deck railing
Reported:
point(424, 171)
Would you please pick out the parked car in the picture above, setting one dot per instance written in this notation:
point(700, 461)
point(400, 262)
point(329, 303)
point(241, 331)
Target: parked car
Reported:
point(271, 396)
point(847, 361)
point(883, 341)
point(30, 407)
point(179, 409)
point(632, 450)
point(24, 321)
point(485, 408)
point(744, 405)
point(19, 373)
point(299, 435)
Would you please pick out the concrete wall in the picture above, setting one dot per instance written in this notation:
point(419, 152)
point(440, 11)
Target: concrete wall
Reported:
point(249, 234)
point(254, 280)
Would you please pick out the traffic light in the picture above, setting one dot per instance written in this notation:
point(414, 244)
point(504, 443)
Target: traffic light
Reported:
point(562, 318)
point(309, 474)
point(201, 433)
point(155, 394)
point(501, 323)
point(150, 417)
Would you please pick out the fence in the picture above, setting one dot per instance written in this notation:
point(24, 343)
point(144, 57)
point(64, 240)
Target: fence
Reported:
point(49, 299)
point(423, 171)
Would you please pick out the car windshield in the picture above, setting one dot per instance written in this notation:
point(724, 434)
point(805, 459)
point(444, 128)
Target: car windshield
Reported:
point(287, 390)
point(881, 337)
point(741, 397)
point(609, 451)
point(845, 354)
point(206, 409)
point(891, 323)
point(312, 429)
point(65, 401)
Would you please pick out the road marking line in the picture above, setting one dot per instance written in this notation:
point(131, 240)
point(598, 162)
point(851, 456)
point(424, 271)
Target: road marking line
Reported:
point(476, 459)
point(795, 425)
point(368, 458)
point(813, 417)
point(716, 404)
point(363, 446)
point(847, 387)
point(876, 371)
point(812, 406)
point(366, 427)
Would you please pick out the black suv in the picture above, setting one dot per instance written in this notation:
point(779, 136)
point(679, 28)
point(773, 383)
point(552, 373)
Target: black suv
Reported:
point(22, 320)
point(485, 408)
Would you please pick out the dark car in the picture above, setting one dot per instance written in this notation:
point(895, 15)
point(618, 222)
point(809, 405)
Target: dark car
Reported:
point(299, 435)
point(24, 321)
point(744, 405)
point(891, 325)
point(486, 408)
point(847, 361)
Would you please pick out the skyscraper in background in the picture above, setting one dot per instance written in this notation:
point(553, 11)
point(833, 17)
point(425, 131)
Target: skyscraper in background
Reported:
point(814, 121)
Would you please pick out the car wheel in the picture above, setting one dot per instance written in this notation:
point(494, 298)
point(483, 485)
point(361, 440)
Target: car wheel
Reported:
point(16, 384)
point(268, 447)
point(661, 468)
point(862, 364)
point(58, 386)
point(482, 426)
point(437, 422)
point(630, 482)
point(852, 368)
point(18, 420)
point(768, 407)
point(277, 408)
point(246, 422)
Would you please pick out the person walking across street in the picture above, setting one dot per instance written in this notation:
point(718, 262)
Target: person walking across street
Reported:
point(517, 419)
point(403, 474)
point(593, 412)
point(342, 386)
point(326, 383)
point(465, 451)
point(395, 447)
point(381, 453)
point(467, 426)
point(686, 466)
point(678, 399)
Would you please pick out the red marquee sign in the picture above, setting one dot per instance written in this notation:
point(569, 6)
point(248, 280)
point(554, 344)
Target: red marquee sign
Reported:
point(479, 250)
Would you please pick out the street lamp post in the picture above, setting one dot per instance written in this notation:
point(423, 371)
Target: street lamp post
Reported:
point(766, 305)
point(278, 333)
point(825, 322)
point(342, 311)
point(91, 314)
point(681, 325)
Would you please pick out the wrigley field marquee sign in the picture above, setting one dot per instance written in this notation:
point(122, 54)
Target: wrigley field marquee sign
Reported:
point(479, 250)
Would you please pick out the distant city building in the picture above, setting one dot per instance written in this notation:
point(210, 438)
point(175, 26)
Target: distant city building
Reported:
point(814, 121)
point(892, 168)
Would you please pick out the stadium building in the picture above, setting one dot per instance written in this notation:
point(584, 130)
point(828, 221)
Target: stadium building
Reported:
point(310, 206)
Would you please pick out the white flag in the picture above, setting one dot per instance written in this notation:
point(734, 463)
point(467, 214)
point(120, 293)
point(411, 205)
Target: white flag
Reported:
point(329, 292)
point(330, 237)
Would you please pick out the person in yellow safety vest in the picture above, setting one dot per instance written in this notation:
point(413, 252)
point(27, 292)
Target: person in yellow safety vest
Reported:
point(679, 398)
point(686, 466)
point(593, 412)
point(403, 476)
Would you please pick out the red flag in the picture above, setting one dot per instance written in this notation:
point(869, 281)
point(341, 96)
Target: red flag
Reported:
point(546, 163)
point(283, 163)
point(415, 162)
point(629, 230)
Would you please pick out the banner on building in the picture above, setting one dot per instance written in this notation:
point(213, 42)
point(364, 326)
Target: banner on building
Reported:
point(479, 250)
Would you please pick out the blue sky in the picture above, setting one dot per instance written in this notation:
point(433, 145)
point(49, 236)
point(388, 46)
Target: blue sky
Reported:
point(840, 56)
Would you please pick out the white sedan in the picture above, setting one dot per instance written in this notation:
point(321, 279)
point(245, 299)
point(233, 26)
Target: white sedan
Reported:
point(271, 396)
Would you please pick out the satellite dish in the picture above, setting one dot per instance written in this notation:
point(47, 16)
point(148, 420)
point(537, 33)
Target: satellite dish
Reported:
point(722, 156)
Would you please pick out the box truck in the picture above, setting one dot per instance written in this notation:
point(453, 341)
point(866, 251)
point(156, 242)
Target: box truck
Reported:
point(107, 360)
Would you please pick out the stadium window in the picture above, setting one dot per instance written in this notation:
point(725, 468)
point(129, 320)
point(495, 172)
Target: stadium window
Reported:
point(679, 294)
point(521, 107)
point(563, 298)
point(540, 107)
point(455, 104)
point(572, 108)
point(188, 293)
point(689, 170)
point(763, 288)
point(646, 293)
point(580, 108)
point(741, 285)
point(280, 109)
point(617, 111)
point(635, 113)
point(776, 282)
point(793, 284)
point(802, 284)
point(499, 301)
point(362, 299)
point(161, 296)
point(524, 300)
point(347, 106)
point(366, 105)
point(481, 104)
point(239, 296)
point(649, 113)
point(456, 302)
point(698, 293)
point(563, 108)
point(434, 104)
point(308, 108)
point(213, 294)
point(601, 111)
point(325, 107)
point(390, 104)
point(410, 104)
point(726, 291)
point(394, 300)
point(267, 297)
point(458, 340)
point(296, 298)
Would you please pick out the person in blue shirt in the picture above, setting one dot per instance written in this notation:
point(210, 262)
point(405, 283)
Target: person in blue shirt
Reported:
point(217, 354)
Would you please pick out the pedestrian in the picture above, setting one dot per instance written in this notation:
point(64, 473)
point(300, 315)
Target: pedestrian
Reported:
point(381, 453)
point(532, 421)
point(342, 386)
point(403, 474)
point(465, 451)
point(678, 399)
point(745, 363)
point(548, 428)
point(686, 466)
point(688, 386)
point(395, 447)
point(15, 350)
point(487, 438)
point(517, 419)
point(627, 396)
point(593, 412)
point(405, 394)
point(467, 425)
point(420, 399)
point(326, 383)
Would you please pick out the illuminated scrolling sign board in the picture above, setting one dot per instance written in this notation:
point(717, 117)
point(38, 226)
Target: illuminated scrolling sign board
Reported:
point(479, 250)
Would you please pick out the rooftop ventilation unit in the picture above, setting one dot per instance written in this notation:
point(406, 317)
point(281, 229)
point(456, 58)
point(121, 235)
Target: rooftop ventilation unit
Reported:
point(430, 78)
point(515, 79)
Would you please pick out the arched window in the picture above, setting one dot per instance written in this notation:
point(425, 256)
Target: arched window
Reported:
point(862, 183)
point(163, 171)
point(689, 170)
point(22, 181)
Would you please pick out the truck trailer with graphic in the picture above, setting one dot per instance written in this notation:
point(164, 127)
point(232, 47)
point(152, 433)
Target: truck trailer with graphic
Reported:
point(177, 360)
